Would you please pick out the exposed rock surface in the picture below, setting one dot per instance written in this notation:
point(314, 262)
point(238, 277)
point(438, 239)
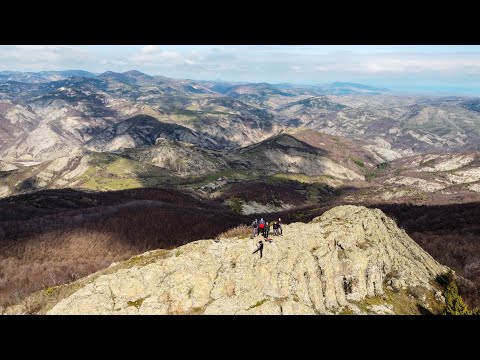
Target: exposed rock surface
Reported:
point(348, 254)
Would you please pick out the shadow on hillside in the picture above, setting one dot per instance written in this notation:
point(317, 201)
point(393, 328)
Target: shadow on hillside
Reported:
point(283, 142)
point(306, 213)
point(423, 310)
point(52, 236)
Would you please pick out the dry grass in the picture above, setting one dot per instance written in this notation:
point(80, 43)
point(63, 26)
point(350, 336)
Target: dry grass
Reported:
point(242, 231)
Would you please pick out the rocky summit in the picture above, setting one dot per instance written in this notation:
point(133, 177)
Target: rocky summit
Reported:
point(350, 260)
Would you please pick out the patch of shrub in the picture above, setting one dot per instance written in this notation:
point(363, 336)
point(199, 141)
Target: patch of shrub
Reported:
point(377, 171)
point(237, 204)
point(454, 304)
point(241, 231)
point(358, 162)
point(446, 278)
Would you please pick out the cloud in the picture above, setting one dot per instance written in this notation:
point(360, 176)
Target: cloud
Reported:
point(275, 63)
point(152, 54)
point(149, 49)
point(298, 63)
point(44, 57)
point(421, 63)
point(114, 62)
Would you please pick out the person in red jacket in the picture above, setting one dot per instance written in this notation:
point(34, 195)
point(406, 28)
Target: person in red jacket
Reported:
point(261, 226)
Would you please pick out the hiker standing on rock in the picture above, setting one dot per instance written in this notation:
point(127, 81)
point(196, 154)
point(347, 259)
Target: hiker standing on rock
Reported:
point(275, 228)
point(272, 227)
point(254, 227)
point(259, 248)
point(261, 226)
point(267, 229)
point(280, 231)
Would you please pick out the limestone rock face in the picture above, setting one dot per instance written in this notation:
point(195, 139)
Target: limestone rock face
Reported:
point(332, 263)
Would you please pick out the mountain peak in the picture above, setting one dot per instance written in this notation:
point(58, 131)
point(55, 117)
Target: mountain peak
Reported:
point(109, 73)
point(135, 73)
point(329, 266)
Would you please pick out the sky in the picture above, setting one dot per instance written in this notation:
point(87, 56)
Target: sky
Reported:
point(439, 68)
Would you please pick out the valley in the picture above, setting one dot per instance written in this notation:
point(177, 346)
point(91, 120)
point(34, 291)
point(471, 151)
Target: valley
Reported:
point(96, 168)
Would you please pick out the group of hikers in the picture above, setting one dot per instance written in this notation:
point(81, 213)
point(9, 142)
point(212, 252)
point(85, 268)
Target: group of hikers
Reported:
point(263, 227)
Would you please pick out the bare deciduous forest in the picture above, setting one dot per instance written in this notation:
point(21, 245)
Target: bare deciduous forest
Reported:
point(56, 236)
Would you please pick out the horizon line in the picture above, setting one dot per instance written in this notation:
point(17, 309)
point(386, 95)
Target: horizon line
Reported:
point(402, 90)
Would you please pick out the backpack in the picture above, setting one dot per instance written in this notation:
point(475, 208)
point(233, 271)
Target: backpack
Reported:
point(261, 225)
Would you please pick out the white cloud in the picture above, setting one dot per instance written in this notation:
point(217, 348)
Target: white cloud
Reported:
point(419, 63)
point(149, 49)
point(282, 63)
point(152, 54)
point(44, 57)
point(114, 62)
point(253, 63)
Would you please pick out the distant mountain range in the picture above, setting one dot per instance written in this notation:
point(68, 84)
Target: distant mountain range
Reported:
point(220, 86)
point(95, 168)
point(165, 123)
point(42, 76)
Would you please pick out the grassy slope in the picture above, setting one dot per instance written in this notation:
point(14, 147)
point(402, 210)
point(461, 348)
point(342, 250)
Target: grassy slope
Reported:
point(112, 172)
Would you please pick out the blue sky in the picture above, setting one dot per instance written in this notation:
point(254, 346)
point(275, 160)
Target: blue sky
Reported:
point(454, 69)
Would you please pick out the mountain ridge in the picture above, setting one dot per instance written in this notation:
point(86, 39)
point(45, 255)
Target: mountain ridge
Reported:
point(337, 276)
point(351, 260)
point(96, 159)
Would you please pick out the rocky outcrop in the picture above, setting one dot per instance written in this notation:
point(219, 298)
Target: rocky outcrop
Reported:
point(334, 264)
point(145, 130)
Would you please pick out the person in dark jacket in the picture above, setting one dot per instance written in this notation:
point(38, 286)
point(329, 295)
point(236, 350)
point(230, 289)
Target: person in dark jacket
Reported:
point(254, 227)
point(275, 228)
point(267, 229)
point(280, 230)
point(259, 248)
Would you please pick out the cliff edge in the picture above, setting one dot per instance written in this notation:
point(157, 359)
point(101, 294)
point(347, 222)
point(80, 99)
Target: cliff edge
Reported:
point(350, 260)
